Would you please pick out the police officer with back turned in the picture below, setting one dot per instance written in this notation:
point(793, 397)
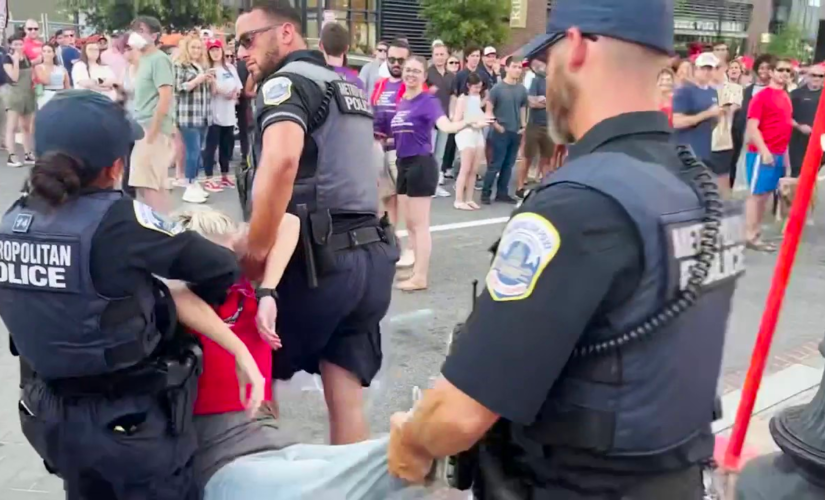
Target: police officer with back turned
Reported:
point(107, 383)
point(588, 368)
point(312, 158)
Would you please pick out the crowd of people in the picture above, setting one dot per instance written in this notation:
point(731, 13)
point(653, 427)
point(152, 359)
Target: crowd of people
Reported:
point(197, 121)
point(764, 107)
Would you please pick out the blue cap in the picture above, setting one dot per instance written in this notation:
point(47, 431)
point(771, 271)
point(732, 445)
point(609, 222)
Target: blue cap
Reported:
point(643, 22)
point(87, 126)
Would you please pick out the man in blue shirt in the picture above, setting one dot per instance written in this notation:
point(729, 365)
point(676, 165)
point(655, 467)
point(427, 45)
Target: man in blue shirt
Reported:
point(67, 54)
point(696, 109)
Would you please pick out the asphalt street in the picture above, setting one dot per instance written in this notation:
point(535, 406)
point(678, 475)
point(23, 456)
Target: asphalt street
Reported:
point(417, 325)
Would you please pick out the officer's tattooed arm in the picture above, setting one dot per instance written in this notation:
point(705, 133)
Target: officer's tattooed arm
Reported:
point(282, 146)
point(444, 422)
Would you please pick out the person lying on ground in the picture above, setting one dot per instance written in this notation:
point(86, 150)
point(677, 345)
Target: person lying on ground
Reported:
point(252, 458)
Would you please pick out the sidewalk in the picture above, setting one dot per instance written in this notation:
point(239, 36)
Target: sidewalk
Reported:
point(793, 386)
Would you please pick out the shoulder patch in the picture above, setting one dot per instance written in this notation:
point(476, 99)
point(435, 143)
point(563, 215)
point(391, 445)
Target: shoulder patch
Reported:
point(150, 219)
point(276, 91)
point(528, 244)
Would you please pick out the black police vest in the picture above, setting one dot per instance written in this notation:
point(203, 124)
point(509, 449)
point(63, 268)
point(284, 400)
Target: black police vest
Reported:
point(48, 300)
point(657, 394)
point(343, 179)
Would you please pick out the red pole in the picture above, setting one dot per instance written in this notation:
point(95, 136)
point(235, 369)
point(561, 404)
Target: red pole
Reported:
point(784, 263)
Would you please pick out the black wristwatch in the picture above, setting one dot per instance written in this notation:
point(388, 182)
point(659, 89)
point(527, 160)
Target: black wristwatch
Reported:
point(266, 292)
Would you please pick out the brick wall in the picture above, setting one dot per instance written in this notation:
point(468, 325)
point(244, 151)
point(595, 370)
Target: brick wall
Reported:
point(536, 24)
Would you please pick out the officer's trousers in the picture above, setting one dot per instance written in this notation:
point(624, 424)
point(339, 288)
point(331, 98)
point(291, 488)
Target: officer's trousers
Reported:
point(339, 320)
point(110, 449)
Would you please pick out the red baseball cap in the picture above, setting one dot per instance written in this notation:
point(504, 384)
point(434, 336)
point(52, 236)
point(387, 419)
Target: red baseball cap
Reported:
point(215, 42)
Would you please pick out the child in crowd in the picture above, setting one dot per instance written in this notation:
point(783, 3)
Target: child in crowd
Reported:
point(251, 319)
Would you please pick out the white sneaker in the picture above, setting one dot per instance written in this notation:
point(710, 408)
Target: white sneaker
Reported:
point(440, 192)
point(193, 194)
point(200, 188)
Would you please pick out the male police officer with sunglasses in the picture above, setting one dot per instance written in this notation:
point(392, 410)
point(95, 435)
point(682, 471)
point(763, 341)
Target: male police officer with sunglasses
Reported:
point(588, 368)
point(313, 157)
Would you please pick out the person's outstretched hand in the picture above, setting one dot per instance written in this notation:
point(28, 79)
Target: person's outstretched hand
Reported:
point(250, 381)
point(267, 314)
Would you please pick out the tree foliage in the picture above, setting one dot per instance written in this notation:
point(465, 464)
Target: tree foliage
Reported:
point(109, 15)
point(789, 42)
point(461, 22)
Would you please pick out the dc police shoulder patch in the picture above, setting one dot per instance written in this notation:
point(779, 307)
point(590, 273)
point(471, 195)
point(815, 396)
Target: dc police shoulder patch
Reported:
point(276, 91)
point(528, 244)
point(150, 219)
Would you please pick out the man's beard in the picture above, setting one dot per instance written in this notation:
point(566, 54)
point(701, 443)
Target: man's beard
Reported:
point(395, 72)
point(267, 66)
point(561, 97)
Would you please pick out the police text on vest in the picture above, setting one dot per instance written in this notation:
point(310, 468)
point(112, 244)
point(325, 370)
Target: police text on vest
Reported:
point(35, 264)
point(729, 258)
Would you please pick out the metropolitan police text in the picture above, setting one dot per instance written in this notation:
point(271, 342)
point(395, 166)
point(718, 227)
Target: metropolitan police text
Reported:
point(34, 264)
point(729, 259)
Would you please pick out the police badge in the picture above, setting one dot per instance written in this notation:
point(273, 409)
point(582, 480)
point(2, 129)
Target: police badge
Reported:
point(276, 91)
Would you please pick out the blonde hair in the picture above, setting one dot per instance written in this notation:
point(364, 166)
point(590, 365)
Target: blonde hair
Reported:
point(208, 222)
point(183, 58)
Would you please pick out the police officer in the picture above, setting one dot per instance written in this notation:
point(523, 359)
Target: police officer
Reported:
point(588, 368)
point(313, 152)
point(107, 385)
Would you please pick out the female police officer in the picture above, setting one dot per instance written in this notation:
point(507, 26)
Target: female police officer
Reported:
point(107, 388)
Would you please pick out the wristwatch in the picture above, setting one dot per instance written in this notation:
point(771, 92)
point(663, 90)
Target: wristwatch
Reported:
point(266, 292)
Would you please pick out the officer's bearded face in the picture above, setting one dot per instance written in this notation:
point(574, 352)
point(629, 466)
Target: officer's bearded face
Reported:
point(562, 95)
point(260, 43)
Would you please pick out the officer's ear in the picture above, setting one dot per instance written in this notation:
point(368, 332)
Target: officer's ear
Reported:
point(113, 175)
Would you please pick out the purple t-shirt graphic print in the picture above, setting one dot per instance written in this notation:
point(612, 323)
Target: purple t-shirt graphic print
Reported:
point(413, 123)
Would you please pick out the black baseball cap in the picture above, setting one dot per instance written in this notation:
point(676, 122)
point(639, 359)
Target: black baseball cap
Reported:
point(85, 125)
point(643, 22)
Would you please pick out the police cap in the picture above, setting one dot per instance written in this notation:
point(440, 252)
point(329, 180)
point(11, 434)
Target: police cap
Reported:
point(643, 22)
point(85, 125)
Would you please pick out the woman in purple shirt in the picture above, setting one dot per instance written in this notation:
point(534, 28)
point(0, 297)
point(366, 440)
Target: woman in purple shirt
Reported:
point(411, 127)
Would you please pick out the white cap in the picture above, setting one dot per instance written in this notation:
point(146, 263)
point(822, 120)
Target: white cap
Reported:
point(707, 59)
point(438, 43)
point(489, 50)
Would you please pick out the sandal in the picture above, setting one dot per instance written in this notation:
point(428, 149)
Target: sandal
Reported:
point(760, 246)
point(473, 205)
point(409, 286)
point(461, 206)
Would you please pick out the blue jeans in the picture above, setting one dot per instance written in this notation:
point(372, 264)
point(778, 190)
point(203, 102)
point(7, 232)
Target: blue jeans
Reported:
point(193, 139)
point(356, 472)
point(505, 149)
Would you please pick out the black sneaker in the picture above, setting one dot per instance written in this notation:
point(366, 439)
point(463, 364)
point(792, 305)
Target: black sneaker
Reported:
point(13, 161)
point(520, 194)
point(485, 201)
point(506, 199)
point(28, 159)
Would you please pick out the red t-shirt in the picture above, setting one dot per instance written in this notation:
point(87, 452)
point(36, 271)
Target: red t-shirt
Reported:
point(667, 109)
point(218, 385)
point(773, 108)
point(32, 48)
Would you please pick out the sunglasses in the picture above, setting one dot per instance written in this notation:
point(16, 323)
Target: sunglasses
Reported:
point(396, 60)
point(247, 39)
point(452, 62)
point(783, 70)
point(32, 29)
point(812, 75)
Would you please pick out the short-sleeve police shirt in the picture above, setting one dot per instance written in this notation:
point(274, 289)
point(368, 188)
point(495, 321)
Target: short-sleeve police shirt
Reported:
point(590, 260)
point(289, 97)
